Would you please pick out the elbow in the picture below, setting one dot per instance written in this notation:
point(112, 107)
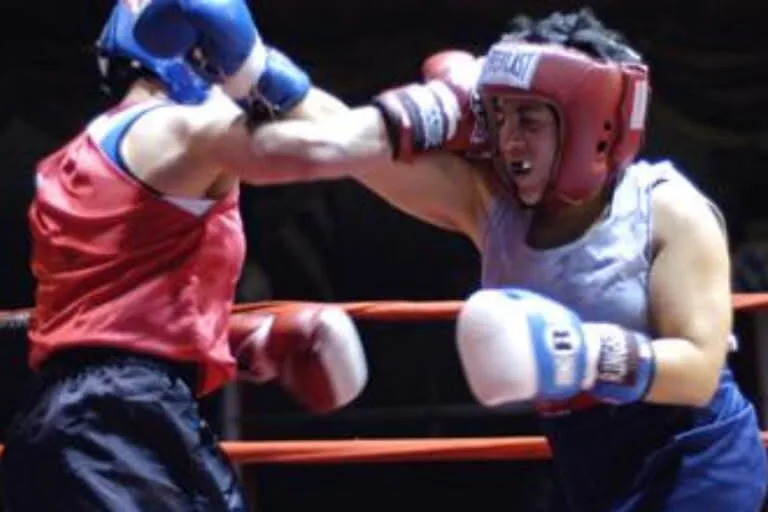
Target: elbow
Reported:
point(686, 374)
point(705, 392)
point(707, 383)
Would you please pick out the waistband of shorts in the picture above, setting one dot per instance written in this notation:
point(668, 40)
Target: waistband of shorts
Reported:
point(70, 361)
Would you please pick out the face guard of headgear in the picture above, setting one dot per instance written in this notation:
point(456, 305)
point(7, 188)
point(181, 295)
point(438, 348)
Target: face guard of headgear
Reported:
point(600, 107)
point(117, 41)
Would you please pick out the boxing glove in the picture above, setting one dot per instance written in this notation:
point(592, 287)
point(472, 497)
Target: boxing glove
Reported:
point(313, 351)
point(436, 114)
point(220, 39)
point(517, 346)
point(454, 66)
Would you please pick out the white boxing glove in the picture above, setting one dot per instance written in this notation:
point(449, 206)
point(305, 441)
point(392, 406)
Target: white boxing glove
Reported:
point(313, 350)
point(518, 346)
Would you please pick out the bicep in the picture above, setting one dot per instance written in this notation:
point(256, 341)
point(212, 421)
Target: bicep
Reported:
point(690, 273)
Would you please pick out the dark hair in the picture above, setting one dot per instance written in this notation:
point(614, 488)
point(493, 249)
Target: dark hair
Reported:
point(579, 29)
point(117, 74)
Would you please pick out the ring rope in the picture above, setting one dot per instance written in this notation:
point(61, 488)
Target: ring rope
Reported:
point(390, 310)
point(387, 450)
point(348, 451)
point(403, 310)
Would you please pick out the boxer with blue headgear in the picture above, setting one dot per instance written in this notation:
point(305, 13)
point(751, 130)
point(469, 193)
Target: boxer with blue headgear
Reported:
point(138, 245)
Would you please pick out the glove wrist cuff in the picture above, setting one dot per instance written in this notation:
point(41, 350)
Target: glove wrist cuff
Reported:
point(419, 117)
point(241, 83)
point(620, 365)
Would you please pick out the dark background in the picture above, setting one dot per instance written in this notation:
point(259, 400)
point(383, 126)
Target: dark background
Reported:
point(338, 242)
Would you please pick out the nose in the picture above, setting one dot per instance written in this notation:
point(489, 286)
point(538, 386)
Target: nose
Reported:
point(511, 141)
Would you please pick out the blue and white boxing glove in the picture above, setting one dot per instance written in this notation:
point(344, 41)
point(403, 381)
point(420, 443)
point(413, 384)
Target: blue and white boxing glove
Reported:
point(220, 39)
point(518, 346)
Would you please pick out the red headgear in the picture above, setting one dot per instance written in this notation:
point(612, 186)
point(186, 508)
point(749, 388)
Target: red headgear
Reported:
point(600, 104)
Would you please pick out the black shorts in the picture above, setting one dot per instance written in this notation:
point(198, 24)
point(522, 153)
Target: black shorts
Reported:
point(112, 431)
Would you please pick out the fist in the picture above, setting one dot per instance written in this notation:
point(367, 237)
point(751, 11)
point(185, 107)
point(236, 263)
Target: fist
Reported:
point(314, 351)
point(435, 115)
point(452, 66)
point(517, 346)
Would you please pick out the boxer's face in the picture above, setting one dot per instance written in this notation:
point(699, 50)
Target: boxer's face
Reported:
point(527, 133)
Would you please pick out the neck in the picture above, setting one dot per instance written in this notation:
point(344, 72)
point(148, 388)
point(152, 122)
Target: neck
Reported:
point(143, 89)
point(551, 227)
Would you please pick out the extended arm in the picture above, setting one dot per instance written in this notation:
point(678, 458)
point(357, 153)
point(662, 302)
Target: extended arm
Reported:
point(388, 148)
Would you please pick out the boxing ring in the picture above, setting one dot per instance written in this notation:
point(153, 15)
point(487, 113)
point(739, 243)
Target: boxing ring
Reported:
point(495, 448)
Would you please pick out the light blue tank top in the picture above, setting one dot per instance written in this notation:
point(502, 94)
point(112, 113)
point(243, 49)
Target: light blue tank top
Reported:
point(603, 276)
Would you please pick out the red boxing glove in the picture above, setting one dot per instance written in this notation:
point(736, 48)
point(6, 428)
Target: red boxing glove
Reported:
point(452, 66)
point(435, 115)
point(313, 350)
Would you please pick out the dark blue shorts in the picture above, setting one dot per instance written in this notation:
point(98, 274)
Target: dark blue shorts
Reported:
point(643, 457)
point(107, 431)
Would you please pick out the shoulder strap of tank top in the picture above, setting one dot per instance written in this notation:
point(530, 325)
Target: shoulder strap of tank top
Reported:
point(108, 129)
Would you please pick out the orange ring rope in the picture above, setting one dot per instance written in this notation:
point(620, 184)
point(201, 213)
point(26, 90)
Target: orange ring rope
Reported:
point(387, 310)
point(393, 310)
point(400, 310)
point(391, 450)
point(388, 450)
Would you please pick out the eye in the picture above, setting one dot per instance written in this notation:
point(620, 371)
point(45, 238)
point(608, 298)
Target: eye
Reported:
point(531, 123)
point(497, 111)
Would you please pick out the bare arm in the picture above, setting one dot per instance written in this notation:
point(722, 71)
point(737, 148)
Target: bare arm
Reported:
point(690, 298)
point(317, 104)
point(441, 188)
point(183, 150)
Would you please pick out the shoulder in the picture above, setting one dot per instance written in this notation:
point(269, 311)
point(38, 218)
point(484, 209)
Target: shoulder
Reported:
point(176, 129)
point(647, 174)
point(179, 149)
point(193, 120)
point(680, 213)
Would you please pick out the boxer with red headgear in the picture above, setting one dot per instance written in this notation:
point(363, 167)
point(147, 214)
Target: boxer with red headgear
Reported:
point(605, 295)
point(600, 107)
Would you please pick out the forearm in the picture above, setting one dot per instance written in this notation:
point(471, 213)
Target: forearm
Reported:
point(317, 105)
point(685, 374)
point(334, 147)
point(664, 370)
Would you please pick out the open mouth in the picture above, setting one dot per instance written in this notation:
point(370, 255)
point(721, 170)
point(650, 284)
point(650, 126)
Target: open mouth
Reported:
point(520, 168)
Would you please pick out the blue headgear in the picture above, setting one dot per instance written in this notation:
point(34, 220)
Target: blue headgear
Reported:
point(117, 40)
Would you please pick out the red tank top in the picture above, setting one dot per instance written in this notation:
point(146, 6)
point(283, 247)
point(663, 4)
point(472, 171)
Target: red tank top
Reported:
point(118, 266)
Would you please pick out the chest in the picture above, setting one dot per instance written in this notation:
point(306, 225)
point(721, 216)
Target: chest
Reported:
point(603, 276)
